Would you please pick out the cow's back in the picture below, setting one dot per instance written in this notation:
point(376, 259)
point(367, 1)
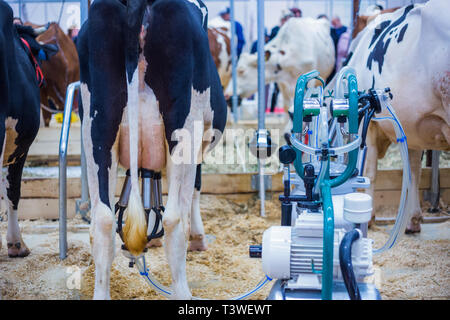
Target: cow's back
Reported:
point(101, 51)
point(179, 45)
point(180, 63)
point(408, 51)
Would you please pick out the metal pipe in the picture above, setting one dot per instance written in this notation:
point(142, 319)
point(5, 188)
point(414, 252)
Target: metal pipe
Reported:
point(146, 185)
point(146, 192)
point(160, 199)
point(126, 190)
point(157, 190)
point(20, 9)
point(84, 8)
point(261, 67)
point(234, 98)
point(63, 142)
point(434, 195)
point(261, 98)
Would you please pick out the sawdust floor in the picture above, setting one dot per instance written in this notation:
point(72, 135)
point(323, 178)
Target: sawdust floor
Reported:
point(417, 268)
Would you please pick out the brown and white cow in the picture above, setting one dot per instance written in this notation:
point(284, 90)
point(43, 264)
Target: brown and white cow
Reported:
point(407, 50)
point(59, 71)
point(220, 47)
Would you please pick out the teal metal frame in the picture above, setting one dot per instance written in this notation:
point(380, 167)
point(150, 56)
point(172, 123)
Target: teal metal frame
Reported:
point(327, 184)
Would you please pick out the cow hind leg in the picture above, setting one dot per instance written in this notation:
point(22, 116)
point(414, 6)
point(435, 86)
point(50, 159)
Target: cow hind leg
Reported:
point(197, 234)
point(181, 179)
point(102, 248)
point(100, 180)
point(413, 200)
point(102, 230)
point(15, 243)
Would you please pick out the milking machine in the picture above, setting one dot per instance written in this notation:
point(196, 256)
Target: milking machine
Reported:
point(321, 249)
point(152, 203)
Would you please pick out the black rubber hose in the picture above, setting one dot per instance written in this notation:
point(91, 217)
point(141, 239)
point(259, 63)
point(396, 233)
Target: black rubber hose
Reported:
point(345, 261)
point(366, 124)
point(363, 110)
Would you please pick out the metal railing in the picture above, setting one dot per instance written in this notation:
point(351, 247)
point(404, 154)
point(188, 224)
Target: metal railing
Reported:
point(432, 195)
point(63, 147)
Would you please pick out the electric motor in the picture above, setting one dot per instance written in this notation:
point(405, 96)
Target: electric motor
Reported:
point(294, 253)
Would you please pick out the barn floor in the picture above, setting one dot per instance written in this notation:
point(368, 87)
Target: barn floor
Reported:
point(418, 267)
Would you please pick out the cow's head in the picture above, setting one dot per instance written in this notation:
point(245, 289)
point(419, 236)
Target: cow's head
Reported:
point(247, 71)
point(246, 74)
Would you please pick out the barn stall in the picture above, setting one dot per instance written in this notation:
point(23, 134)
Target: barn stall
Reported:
point(231, 212)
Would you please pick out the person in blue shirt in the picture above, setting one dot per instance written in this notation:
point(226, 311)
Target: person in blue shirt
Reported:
point(239, 31)
point(254, 47)
point(337, 30)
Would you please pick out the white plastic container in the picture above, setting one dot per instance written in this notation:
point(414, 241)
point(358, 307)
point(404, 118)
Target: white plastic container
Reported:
point(357, 207)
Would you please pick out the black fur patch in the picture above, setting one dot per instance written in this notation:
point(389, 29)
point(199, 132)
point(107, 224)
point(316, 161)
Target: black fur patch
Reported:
point(402, 33)
point(380, 44)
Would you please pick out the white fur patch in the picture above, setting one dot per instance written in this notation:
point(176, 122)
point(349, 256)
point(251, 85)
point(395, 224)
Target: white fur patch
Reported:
point(133, 121)
point(198, 124)
point(203, 10)
point(92, 167)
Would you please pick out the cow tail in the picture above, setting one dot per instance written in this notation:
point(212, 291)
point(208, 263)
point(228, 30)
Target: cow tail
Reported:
point(135, 229)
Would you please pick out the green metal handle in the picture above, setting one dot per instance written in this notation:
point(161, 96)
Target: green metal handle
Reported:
point(300, 90)
point(328, 241)
point(353, 129)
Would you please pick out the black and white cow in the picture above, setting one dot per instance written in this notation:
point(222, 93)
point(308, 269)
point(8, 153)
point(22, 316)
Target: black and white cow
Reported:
point(407, 50)
point(19, 120)
point(158, 107)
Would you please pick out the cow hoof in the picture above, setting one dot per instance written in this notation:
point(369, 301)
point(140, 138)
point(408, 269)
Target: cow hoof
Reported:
point(197, 244)
point(412, 229)
point(155, 243)
point(414, 225)
point(17, 250)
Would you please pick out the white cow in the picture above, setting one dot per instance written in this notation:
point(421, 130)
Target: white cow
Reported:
point(301, 45)
point(409, 51)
